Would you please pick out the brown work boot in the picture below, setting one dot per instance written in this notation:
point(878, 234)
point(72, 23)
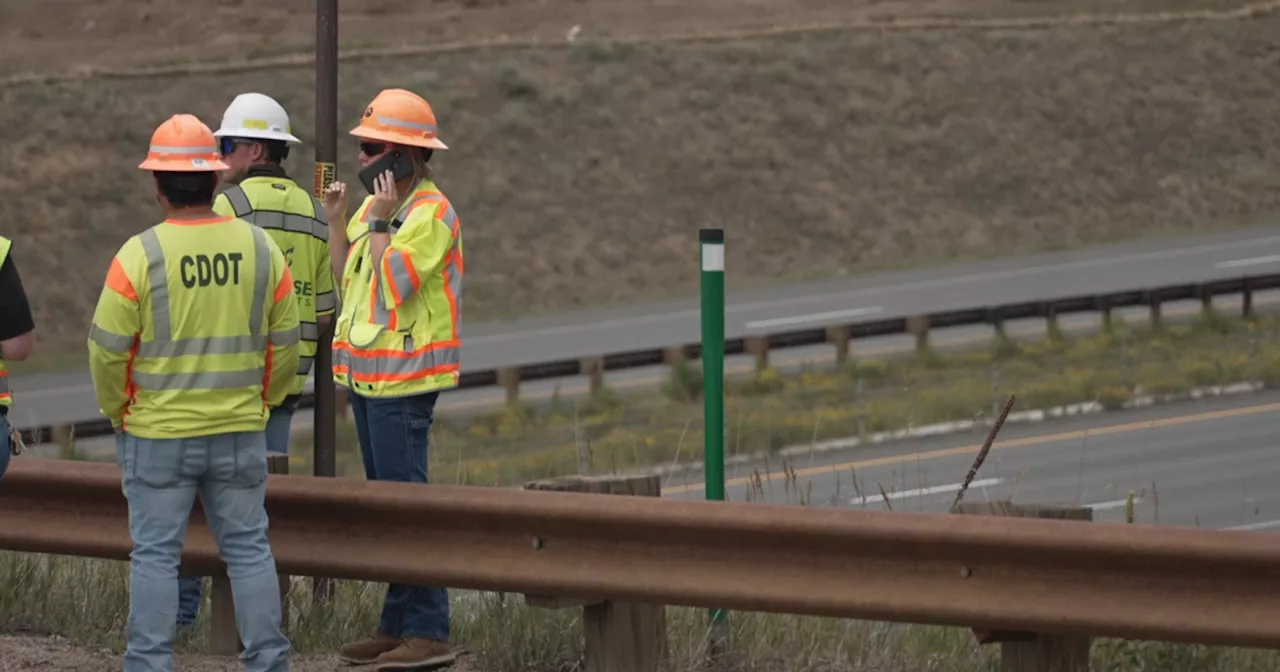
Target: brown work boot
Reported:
point(367, 651)
point(416, 652)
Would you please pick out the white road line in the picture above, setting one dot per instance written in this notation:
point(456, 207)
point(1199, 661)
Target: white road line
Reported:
point(1252, 261)
point(920, 492)
point(1113, 504)
point(814, 317)
point(1256, 526)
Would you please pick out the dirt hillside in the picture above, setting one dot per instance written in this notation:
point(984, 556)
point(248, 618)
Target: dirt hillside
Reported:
point(582, 174)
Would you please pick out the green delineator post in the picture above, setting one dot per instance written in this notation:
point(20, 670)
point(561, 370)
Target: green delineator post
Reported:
point(712, 243)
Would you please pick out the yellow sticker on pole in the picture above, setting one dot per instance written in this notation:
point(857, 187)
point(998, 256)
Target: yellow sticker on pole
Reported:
point(325, 173)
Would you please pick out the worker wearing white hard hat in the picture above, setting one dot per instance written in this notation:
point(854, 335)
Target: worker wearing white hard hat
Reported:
point(254, 142)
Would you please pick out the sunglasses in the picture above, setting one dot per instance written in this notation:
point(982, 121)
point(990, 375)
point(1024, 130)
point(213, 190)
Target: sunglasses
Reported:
point(228, 145)
point(373, 148)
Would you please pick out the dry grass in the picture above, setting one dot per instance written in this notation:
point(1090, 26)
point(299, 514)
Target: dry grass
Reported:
point(77, 36)
point(787, 417)
point(581, 174)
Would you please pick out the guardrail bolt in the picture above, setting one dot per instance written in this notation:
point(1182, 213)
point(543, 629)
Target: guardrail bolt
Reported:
point(537, 543)
point(965, 572)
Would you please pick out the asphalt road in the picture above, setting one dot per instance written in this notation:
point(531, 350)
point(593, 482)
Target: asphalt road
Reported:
point(1208, 463)
point(67, 397)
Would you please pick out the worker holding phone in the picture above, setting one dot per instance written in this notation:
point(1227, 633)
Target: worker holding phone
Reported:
point(396, 342)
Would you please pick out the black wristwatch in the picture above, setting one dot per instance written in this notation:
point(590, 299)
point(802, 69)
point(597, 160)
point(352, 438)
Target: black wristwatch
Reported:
point(379, 226)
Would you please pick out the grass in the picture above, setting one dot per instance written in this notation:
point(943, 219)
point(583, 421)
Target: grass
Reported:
point(581, 174)
point(771, 414)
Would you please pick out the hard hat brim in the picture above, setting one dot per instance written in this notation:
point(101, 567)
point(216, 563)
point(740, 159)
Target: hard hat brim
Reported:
point(398, 138)
point(184, 165)
point(257, 134)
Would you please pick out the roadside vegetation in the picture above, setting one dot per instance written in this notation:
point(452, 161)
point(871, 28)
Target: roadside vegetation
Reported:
point(770, 414)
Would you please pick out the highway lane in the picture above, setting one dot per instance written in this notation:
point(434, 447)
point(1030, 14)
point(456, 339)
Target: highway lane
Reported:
point(67, 397)
point(464, 403)
point(1212, 463)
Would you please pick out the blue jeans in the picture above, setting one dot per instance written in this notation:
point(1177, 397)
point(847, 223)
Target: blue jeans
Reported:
point(393, 437)
point(190, 588)
point(5, 448)
point(161, 479)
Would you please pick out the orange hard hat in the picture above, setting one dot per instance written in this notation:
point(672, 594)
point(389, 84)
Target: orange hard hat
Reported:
point(184, 144)
point(401, 117)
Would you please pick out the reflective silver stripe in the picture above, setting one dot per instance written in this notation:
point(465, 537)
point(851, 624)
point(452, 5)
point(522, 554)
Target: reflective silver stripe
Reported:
point(309, 331)
point(326, 301)
point(283, 221)
point(450, 218)
point(214, 345)
point(380, 313)
point(261, 279)
point(396, 121)
point(159, 283)
point(239, 200)
point(453, 279)
point(320, 215)
point(109, 340)
point(401, 275)
point(4, 384)
point(176, 149)
point(373, 366)
point(285, 338)
point(198, 380)
point(304, 365)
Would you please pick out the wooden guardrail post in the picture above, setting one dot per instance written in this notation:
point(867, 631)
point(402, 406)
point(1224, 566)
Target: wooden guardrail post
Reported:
point(224, 639)
point(918, 326)
point(593, 367)
point(509, 379)
point(839, 337)
point(620, 636)
point(1029, 651)
point(758, 347)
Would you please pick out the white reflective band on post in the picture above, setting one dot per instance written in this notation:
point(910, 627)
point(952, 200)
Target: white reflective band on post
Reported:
point(713, 256)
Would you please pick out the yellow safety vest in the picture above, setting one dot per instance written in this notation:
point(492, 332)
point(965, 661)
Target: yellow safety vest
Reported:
point(196, 330)
point(296, 221)
point(397, 333)
point(6, 397)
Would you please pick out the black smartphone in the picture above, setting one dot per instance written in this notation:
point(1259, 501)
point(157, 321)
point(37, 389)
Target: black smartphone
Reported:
point(400, 166)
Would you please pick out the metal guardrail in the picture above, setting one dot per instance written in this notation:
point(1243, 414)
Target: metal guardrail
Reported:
point(837, 334)
point(1049, 576)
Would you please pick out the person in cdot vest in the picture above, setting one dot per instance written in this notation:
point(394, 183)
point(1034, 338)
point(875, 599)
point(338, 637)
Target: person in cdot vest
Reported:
point(194, 340)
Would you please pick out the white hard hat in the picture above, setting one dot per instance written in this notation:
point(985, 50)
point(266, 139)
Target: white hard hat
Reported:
point(253, 115)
